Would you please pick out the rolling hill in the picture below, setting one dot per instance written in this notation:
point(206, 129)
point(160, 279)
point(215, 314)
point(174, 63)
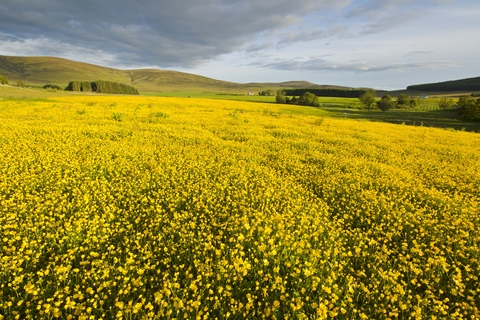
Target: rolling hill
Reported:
point(468, 84)
point(41, 70)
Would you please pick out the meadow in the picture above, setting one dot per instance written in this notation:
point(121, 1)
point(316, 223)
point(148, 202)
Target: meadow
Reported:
point(188, 208)
point(427, 113)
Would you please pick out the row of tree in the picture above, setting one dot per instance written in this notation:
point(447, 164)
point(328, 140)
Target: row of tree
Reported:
point(469, 107)
point(3, 80)
point(368, 100)
point(268, 92)
point(306, 99)
point(52, 86)
point(469, 84)
point(101, 86)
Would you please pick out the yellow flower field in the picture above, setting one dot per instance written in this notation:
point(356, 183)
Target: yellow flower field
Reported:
point(163, 208)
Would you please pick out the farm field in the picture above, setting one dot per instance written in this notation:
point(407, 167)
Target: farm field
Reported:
point(170, 207)
point(211, 95)
point(428, 116)
point(325, 101)
point(427, 113)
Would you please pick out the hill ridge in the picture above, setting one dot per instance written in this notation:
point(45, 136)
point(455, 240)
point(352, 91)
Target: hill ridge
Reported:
point(39, 70)
point(466, 84)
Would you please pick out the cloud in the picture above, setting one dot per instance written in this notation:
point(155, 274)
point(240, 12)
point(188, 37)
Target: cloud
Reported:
point(311, 35)
point(8, 37)
point(383, 15)
point(32, 47)
point(390, 22)
point(258, 47)
point(382, 8)
point(414, 53)
point(322, 65)
point(155, 32)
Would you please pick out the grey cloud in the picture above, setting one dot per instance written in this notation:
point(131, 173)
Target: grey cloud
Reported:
point(413, 53)
point(258, 47)
point(322, 65)
point(382, 15)
point(180, 33)
point(315, 34)
point(379, 7)
point(292, 37)
point(8, 37)
point(391, 22)
point(47, 47)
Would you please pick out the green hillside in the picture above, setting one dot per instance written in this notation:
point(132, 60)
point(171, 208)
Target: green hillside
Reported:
point(41, 70)
point(151, 80)
point(38, 71)
point(469, 84)
point(294, 85)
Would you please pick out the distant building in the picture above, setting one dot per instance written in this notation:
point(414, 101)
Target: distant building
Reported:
point(251, 93)
point(423, 96)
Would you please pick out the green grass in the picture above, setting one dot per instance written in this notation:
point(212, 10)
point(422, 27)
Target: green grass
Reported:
point(427, 114)
point(11, 92)
point(448, 119)
point(42, 70)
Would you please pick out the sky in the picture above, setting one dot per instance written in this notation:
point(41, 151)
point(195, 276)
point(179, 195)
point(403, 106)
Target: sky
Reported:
point(382, 44)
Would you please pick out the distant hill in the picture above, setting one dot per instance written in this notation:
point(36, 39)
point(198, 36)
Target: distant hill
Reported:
point(469, 84)
point(41, 70)
point(294, 85)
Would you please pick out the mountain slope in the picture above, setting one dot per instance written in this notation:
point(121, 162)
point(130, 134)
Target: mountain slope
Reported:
point(42, 70)
point(468, 84)
point(166, 80)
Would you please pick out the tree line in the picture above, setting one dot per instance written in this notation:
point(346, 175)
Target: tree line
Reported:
point(3, 80)
point(368, 100)
point(101, 86)
point(469, 84)
point(52, 86)
point(468, 106)
point(268, 92)
point(306, 99)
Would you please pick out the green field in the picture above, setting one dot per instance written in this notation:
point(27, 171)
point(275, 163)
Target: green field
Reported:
point(435, 118)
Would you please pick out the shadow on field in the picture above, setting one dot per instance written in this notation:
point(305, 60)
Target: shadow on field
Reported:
point(435, 118)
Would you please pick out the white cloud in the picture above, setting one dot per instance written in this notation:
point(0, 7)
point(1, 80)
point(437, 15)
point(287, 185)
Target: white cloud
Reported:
point(323, 65)
point(47, 47)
